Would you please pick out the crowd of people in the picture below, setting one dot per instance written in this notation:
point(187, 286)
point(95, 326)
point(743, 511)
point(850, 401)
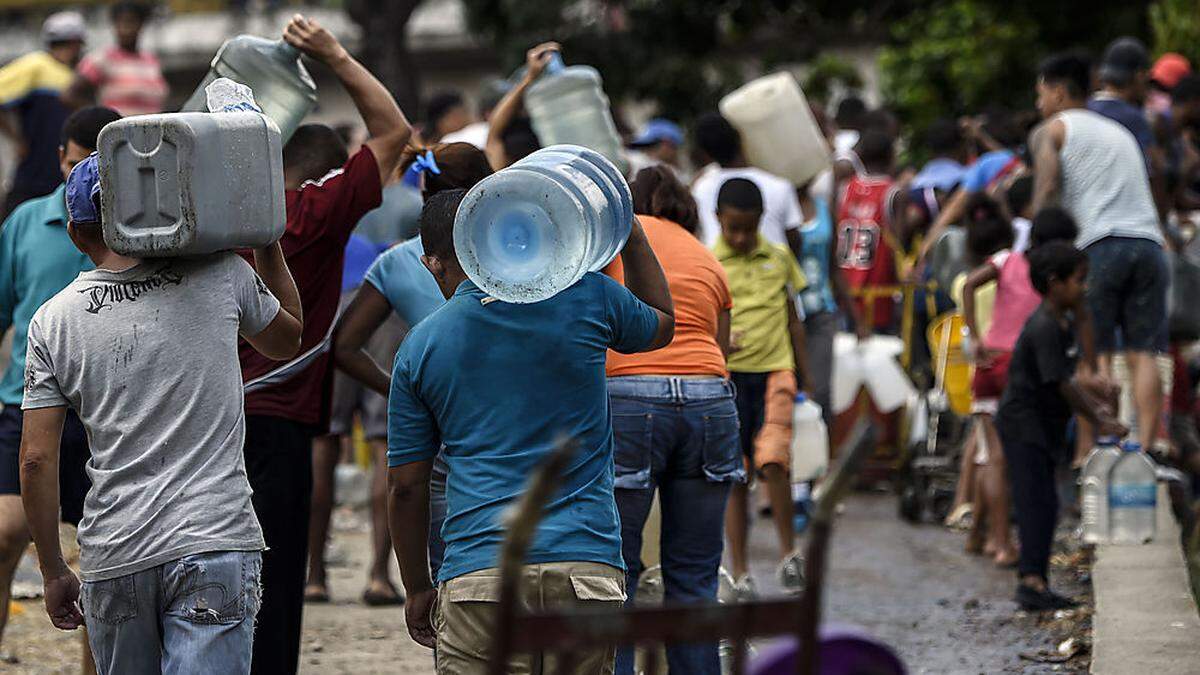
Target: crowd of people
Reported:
point(187, 415)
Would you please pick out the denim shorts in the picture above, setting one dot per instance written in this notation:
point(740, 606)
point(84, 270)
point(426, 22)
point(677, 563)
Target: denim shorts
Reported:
point(1128, 280)
point(685, 426)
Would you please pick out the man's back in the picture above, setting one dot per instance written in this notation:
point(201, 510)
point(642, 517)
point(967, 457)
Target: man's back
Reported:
point(498, 383)
point(1104, 182)
point(148, 358)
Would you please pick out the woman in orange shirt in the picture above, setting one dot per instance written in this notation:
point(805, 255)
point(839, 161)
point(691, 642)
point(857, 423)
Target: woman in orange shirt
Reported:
point(675, 425)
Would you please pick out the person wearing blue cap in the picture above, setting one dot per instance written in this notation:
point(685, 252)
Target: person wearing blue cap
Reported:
point(145, 352)
point(37, 260)
point(658, 143)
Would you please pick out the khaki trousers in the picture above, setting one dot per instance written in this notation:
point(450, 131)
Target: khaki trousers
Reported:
point(467, 604)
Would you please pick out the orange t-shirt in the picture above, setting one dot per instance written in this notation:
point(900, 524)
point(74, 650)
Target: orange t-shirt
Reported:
point(700, 291)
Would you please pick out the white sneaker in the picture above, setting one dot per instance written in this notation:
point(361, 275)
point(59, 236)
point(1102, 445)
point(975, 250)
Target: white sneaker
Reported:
point(744, 589)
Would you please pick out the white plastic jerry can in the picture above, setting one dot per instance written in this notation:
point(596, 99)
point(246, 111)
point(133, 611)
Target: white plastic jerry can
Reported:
point(779, 132)
point(810, 441)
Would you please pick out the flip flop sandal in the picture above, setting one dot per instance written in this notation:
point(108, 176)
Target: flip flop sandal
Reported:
point(320, 597)
point(373, 598)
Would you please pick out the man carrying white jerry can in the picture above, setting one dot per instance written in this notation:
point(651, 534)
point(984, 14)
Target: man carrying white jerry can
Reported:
point(144, 352)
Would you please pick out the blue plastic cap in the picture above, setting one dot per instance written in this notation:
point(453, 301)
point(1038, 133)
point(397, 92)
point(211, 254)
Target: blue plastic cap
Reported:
point(801, 397)
point(556, 63)
point(1132, 446)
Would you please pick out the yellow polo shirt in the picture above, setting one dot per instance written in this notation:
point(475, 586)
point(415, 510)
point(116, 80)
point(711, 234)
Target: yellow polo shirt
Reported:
point(762, 284)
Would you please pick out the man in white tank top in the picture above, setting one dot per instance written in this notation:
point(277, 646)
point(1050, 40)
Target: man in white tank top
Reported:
point(1094, 168)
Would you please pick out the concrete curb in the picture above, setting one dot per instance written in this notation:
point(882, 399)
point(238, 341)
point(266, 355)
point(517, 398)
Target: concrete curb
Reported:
point(1145, 620)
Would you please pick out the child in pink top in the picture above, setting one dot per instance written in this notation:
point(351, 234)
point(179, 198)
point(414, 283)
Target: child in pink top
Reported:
point(1016, 300)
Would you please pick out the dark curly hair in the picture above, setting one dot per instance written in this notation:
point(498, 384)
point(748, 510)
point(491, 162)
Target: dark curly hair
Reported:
point(657, 192)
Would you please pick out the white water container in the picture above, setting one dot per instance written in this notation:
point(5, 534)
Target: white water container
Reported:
point(1132, 497)
point(779, 132)
point(191, 183)
point(567, 105)
point(1094, 490)
point(810, 441)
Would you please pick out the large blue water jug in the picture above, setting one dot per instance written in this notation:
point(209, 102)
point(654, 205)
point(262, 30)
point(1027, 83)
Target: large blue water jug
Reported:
point(531, 230)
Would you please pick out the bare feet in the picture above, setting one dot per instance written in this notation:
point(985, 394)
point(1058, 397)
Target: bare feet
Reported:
point(1007, 557)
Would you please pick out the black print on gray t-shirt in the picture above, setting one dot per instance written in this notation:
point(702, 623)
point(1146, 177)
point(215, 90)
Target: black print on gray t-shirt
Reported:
point(105, 295)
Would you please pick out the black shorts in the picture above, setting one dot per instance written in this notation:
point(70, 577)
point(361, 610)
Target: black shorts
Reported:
point(1128, 281)
point(73, 483)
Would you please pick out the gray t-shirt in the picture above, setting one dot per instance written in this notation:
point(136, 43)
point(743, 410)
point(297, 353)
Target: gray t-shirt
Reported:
point(148, 358)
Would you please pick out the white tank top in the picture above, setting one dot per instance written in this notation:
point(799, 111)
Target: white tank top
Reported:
point(1105, 186)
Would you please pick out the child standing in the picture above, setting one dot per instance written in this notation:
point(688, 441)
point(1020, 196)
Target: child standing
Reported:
point(865, 249)
point(766, 360)
point(1042, 392)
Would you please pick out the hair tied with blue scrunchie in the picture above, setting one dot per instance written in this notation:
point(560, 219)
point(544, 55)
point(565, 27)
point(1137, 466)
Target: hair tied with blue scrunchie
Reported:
point(425, 163)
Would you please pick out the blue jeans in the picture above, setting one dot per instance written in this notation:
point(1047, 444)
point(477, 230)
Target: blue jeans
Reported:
point(679, 435)
point(191, 615)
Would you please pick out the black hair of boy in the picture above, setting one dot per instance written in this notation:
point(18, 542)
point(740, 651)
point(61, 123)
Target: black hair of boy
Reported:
point(1052, 223)
point(437, 223)
point(1187, 90)
point(313, 151)
point(1071, 69)
point(718, 139)
point(741, 194)
point(876, 150)
point(988, 230)
point(1053, 261)
point(83, 126)
point(850, 113)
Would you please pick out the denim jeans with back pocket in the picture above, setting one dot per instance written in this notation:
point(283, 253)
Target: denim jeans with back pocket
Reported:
point(191, 615)
point(678, 435)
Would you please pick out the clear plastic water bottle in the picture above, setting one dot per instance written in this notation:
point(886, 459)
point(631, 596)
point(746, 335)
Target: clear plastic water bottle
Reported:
point(567, 104)
point(1094, 499)
point(1132, 497)
point(272, 68)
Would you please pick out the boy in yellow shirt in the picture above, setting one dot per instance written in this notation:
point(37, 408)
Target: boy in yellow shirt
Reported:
point(766, 361)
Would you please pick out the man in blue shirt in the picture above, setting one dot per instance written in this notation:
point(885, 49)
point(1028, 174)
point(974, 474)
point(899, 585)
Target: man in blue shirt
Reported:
point(497, 383)
point(37, 260)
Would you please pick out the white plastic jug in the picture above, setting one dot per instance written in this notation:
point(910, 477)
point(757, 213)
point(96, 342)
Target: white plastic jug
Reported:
point(779, 132)
point(847, 372)
point(1132, 497)
point(535, 228)
point(1094, 490)
point(190, 183)
point(272, 68)
point(567, 105)
point(887, 383)
point(810, 441)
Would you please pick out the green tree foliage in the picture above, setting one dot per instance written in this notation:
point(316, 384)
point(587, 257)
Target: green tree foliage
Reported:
point(1175, 25)
point(960, 56)
point(681, 55)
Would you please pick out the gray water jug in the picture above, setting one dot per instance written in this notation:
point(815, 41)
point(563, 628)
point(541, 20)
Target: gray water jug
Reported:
point(567, 105)
point(190, 183)
point(535, 228)
point(272, 68)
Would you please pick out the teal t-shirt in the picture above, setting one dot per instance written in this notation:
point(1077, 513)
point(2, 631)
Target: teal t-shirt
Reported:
point(498, 384)
point(37, 260)
point(402, 279)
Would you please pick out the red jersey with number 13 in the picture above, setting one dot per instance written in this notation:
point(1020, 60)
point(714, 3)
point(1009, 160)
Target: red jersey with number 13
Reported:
point(864, 253)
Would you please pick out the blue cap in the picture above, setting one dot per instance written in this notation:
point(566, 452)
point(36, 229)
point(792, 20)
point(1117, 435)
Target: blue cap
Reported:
point(83, 184)
point(658, 130)
point(942, 174)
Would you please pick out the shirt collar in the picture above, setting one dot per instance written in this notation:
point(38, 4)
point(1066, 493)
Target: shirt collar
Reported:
point(724, 251)
point(55, 212)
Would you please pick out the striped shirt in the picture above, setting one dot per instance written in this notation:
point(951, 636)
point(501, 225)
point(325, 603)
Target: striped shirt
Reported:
point(129, 82)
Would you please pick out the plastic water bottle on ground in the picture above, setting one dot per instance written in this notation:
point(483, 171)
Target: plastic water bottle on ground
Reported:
point(1132, 497)
point(810, 441)
point(1095, 490)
